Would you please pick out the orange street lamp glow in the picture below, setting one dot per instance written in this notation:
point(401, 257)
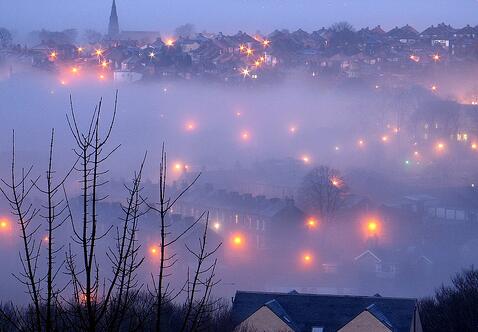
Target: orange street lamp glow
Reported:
point(249, 51)
point(245, 135)
point(190, 126)
point(99, 52)
point(415, 58)
point(238, 114)
point(372, 226)
point(151, 55)
point(474, 146)
point(434, 88)
point(80, 49)
point(384, 138)
point(361, 143)
point(266, 42)
point(307, 258)
point(46, 238)
point(335, 182)
point(53, 54)
point(104, 64)
point(436, 57)
point(178, 167)
point(312, 223)
point(101, 77)
point(257, 63)
point(242, 48)
point(305, 159)
point(237, 240)
point(74, 70)
point(440, 146)
point(169, 42)
point(216, 226)
point(4, 225)
point(292, 129)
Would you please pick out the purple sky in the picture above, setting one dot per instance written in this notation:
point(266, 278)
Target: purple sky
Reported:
point(231, 15)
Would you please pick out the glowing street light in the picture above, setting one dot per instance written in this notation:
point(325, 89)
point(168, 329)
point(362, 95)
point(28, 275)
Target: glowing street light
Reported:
point(169, 42)
point(5, 225)
point(361, 142)
point(99, 52)
point(53, 55)
point(249, 51)
point(216, 226)
point(434, 88)
point(266, 43)
point(104, 64)
point(312, 223)
point(440, 146)
point(385, 138)
point(245, 72)
point(474, 146)
point(307, 258)
point(292, 129)
point(306, 159)
point(101, 77)
point(242, 48)
point(436, 57)
point(190, 126)
point(335, 182)
point(80, 49)
point(151, 55)
point(372, 226)
point(245, 136)
point(415, 58)
point(178, 167)
point(237, 241)
point(74, 70)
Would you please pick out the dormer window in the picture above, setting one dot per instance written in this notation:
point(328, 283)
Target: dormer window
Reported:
point(317, 329)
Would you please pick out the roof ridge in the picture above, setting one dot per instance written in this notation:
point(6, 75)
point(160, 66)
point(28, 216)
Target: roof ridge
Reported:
point(329, 295)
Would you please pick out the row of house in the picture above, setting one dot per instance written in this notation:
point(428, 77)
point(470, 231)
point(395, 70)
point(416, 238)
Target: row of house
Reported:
point(366, 52)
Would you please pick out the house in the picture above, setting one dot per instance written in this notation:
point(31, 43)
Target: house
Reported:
point(405, 35)
point(296, 312)
point(440, 35)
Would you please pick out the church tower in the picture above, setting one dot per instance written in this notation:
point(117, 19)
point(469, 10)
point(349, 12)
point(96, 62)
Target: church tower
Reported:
point(113, 26)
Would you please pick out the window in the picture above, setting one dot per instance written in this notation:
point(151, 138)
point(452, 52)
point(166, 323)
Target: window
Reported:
point(460, 215)
point(441, 212)
point(450, 214)
point(317, 329)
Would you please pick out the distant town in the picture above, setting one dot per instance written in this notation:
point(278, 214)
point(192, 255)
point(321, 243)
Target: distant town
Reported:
point(338, 51)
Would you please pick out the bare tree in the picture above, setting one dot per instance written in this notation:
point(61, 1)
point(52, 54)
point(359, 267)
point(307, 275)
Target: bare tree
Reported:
point(5, 38)
point(184, 31)
point(322, 191)
point(17, 192)
point(162, 291)
point(104, 302)
point(202, 281)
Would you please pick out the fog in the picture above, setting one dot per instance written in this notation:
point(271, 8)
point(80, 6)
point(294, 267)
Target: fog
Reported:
point(261, 140)
point(230, 16)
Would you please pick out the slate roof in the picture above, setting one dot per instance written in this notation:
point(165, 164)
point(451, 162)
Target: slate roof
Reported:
point(328, 311)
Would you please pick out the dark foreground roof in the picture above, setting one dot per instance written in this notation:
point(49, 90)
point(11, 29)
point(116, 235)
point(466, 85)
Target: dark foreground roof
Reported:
point(331, 312)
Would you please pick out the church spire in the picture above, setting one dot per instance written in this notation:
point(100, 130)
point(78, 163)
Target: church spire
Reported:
point(113, 27)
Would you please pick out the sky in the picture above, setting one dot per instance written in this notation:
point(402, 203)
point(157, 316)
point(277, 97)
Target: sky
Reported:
point(228, 16)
